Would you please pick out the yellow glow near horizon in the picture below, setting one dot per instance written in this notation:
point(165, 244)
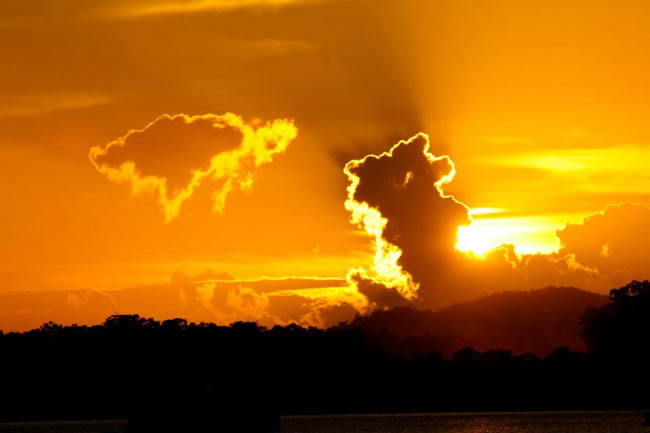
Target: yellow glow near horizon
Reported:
point(529, 234)
point(608, 160)
point(484, 210)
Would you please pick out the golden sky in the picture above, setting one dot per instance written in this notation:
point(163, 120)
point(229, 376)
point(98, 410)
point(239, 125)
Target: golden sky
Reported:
point(220, 130)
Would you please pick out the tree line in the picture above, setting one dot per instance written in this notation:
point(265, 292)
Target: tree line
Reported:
point(130, 362)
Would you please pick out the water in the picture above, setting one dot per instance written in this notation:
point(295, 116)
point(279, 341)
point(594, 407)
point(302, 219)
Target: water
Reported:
point(541, 422)
point(63, 427)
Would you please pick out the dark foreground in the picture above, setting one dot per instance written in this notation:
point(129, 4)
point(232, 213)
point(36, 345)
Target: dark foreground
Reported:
point(544, 422)
point(136, 368)
point(132, 366)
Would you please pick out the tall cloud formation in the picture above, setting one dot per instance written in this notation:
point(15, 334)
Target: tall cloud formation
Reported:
point(397, 197)
point(175, 154)
point(392, 194)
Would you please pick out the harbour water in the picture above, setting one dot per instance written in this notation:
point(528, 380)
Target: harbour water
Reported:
point(526, 422)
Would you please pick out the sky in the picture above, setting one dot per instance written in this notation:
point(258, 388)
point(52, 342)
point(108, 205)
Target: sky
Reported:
point(213, 159)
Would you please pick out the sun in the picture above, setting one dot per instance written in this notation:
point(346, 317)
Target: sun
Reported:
point(489, 230)
point(474, 239)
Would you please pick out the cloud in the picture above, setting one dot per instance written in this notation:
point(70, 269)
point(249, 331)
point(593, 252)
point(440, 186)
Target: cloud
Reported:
point(158, 7)
point(383, 195)
point(377, 294)
point(209, 297)
point(612, 242)
point(397, 197)
point(307, 301)
point(175, 154)
point(440, 277)
point(31, 105)
point(238, 303)
point(27, 309)
point(179, 278)
point(543, 270)
point(14, 13)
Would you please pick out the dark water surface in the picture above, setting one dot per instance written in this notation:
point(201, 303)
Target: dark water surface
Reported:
point(63, 427)
point(538, 422)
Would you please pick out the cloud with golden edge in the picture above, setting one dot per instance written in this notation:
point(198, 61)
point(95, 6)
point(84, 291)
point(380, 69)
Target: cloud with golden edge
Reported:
point(307, 301)
point(397, 197)
point(381, 191)
point(173, 155)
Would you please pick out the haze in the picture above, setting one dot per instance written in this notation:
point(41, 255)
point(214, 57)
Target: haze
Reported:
point(199, 158)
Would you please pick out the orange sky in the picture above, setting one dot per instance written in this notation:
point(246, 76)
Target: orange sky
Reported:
point(541, 105)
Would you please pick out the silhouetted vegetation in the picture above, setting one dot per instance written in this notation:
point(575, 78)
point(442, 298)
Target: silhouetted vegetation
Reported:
point(134, 365)
point(620, 330)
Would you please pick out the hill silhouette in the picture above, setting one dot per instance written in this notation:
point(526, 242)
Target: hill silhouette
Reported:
point(535, 321)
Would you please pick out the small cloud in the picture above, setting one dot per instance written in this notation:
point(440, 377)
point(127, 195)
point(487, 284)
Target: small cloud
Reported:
point(169, 7)
point(173, 155)
point(604, 250)
point(32, 105)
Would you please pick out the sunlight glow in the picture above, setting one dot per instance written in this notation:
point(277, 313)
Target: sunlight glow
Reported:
point(484, 210)
point(529, 234)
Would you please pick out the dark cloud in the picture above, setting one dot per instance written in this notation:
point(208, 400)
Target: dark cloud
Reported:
point(173, 148)
point(611, 240)
point(378, 295)
point(398, 197)
point(404, 185)
point(418, 238)
point(173, 155)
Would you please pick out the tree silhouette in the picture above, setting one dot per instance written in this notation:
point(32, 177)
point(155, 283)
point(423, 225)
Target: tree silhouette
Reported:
point(161, 374)
point(620, 329)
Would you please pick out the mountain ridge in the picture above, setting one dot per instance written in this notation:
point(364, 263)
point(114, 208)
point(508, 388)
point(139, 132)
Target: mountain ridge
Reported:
point(532, 321)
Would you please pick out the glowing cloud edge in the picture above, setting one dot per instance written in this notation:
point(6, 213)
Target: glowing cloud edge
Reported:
point(385, 269)
point(226, 166)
